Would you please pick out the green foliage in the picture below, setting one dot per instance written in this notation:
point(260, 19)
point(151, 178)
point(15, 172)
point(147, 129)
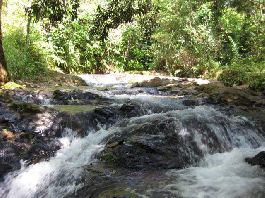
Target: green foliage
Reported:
point(234, 75)
point(24, 63)
point(198, 38)
point(136, 53)
point(84, 45)
point(185, 38)
point(188, 38)
point(116, 13)
point(257, 81)
point(75, 50)
point(53, 10)
point(245, 72)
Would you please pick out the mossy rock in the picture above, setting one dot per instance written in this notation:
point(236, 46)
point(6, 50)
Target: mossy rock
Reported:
point(210, 88)
point(108, 157)
point(27, 107)
point(12, 85)
point(74, 109)
point(117, 192)
point(4, 97)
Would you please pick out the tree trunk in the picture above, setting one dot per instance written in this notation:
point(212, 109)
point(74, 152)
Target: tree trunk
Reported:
point(28, 31)
point(3, 69)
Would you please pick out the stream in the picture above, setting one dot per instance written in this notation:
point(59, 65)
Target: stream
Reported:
point(147, 143)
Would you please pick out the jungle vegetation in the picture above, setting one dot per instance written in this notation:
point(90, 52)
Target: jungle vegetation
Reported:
point(216, 39)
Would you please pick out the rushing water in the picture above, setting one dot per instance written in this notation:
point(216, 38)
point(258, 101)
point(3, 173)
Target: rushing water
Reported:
point(219, 175)
point(60, 175)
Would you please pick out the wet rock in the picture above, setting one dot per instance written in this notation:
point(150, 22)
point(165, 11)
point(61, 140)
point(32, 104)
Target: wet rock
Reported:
point(155, 82)
point(258, 159)
point(25, 147)
point(153, 144)
point(73, 97)
point(190, 102)
point(26, 96)
point(101, 117)
point(27, 108)
point(8, 115)
point(26, 133)
point(4, 169)
point(176, 139)
point(42, 149)
point(9, 157)
point(103, 181)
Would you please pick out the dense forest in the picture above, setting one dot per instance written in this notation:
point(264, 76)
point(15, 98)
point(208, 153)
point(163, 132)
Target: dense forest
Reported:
point(215, 39)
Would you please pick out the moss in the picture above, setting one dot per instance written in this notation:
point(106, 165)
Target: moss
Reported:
point(74, 109)
point(108, 157)
point(12, 85)
point(117, 192)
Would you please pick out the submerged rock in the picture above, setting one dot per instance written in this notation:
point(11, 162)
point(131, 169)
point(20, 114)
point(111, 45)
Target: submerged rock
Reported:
point(258, 159)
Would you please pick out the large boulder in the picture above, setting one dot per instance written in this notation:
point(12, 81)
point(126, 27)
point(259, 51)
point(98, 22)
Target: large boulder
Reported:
point(220, 94)
point(155, 82)
point(175, 139)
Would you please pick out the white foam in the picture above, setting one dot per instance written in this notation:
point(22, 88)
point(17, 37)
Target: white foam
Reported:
point(121, 78)
point(222, 175)
point(65, 167)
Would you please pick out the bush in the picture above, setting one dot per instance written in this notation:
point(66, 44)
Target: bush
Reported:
point(24, 62)
point(233, 76)
point(257, 81)
point(245, 72)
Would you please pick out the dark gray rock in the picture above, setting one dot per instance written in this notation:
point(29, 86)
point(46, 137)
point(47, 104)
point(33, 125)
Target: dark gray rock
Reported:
point(155, 143)
point(9, 158)
point(73, 97)
point(258, 159)
point(176, 139)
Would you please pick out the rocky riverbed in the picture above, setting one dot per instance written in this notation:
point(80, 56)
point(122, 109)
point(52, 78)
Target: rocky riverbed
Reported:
point(129, 138)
